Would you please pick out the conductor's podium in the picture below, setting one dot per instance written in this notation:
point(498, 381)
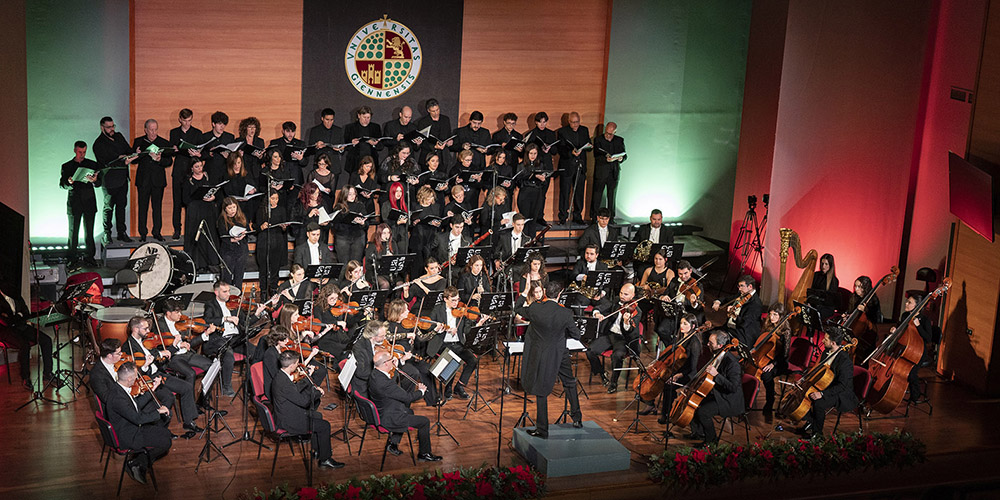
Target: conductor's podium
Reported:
point(570, 452)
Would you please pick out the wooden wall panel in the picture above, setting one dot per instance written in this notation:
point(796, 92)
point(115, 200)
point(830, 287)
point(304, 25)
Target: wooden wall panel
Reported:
point(526, 56)
point(240, 57)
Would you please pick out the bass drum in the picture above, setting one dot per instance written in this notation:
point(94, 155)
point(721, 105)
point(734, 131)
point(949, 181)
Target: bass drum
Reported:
point(112, 322)
point(170, 269)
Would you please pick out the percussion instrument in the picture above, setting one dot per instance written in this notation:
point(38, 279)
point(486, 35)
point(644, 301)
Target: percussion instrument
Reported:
point(112, 322)
point(170, 269)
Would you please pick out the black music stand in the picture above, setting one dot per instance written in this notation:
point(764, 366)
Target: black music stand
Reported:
point(323, 271)
point(636, 422)
point(305, 306)
point(444, 377)
point(370, 298)
point(525, 418)
point(396, 264)
point(478, 340)
point(674, 252)
point(140, 265)
point(464, 253)
point(565, 415)
point(206, 451)
point(610, 279)
point(618, 250)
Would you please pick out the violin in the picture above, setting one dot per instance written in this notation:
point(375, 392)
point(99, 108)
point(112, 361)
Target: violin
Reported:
point(193, 325)
point(138, 358)
point(155, 340)
point(341, 308)
point(893, 360)
point(307, 324)
point(305, 350)
point(422, 323)
point(764, 348)
point(236, 304)
point(737, 304)
point(691, 290)
point(464, 311)
point(797, 403)
point(690, 397)
point(142, 384)
point(666, 364)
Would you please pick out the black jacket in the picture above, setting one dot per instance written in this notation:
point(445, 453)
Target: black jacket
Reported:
point(392, 401)
point(666, 234)
point(101, 382)
point(108, 149)
point(545, 344)
point(363, 355)
point(440, 314)
point(439, 245)
point(302, 258)
point(841, 389)
point(126, 419)
point(592, 236)
point(728, 389)
point(82, 198)
point(151, 172)
point(603, 148)
point(294, 403)
point(748, 322)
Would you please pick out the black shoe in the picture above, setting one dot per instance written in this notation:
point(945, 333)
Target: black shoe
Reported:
point(159, 237)
point(768, 415)
point(125, 239)
point(538, 433)
point(427, 457)
point(447, 395)
point(227, 392)
point(189, 434)
point(330, 407)
point(662, 419)
point(28, 385)
point(577, 424)
point(648, 410)
point(332, 464)
point(460, 392)
point(175, 236)
point(393, 449)
point(173, 436)
point(613, 388)
point(604, 379)
point(579, 221)
point(694, 435)
point(54, 382)
point(562, 222)
point(193, 427)
point(137, 472)
point(142, 239)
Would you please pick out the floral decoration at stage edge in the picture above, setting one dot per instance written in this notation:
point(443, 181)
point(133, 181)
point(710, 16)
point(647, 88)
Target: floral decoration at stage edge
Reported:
point(839, 454)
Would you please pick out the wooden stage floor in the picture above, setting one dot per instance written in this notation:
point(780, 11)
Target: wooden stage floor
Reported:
point(52, 451)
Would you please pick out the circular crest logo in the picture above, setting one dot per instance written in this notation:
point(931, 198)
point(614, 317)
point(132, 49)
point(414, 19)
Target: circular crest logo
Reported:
point(383, 59)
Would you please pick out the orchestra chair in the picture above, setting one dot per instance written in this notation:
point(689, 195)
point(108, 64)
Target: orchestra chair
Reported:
point(799, 354)
point(6, 355)
point(270, 429)
point(750, 385)
point(862, 379)
point(99, 408)
point(369, 413)
point(111, 443)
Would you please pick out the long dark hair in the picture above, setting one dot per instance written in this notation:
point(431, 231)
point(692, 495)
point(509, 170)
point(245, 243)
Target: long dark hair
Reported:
point(832, 273)
point(866, 287)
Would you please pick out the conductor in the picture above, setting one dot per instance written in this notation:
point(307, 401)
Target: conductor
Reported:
point(545, 354)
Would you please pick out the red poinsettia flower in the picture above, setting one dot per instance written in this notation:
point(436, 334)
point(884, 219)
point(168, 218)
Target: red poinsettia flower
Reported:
point(307, 493)
point(484, 488)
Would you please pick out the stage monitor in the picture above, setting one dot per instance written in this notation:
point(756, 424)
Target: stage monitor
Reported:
point(971, 195)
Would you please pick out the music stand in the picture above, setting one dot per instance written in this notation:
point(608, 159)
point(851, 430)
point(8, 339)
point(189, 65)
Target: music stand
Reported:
point(444, 369)
point(396, 264)
point(433, 298)
point(305, 306)
point(478, 341)
point(618, 250)
point(207, 383)
point(573, 346)
point(606, 280)
point(323, 271)
point(184, 299)
point(139, 266)
point(370, 298)
point(674, 252)
point(464, 253)
point(636, 422)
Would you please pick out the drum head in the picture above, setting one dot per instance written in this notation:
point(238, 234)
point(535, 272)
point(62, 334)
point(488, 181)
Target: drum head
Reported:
point(116, 314)
point(170, 269)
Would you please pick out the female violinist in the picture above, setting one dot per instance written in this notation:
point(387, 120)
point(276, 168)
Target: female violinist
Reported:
point(279, 340)
point(473, 282)
point(300, 340)
point(336, 339)
point(779, 365)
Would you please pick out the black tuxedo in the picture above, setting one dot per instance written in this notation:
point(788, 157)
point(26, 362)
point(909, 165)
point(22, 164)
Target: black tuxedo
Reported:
point(181, 170)
point(440, 245)
point(171, 385)
point(666, 234)
point(546, 357)
point(606, 173)
point(114, 181)
point(725, 399)
point(747, 324)
point(81, 205)
point(295, 411)
point(136, 427)
point(364, 355)
point(101, 382)
point(505, 245)
point(581, 267)
point(622, 344)
point(394, 411)
point(591, 235)
point(184, 364)
point(302, 257)
point(436, 344)
point(150, 180)
point(213, 346)
point(839, 394)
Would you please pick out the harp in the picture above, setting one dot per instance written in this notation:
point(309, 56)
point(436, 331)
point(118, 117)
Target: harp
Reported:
point(807, 262)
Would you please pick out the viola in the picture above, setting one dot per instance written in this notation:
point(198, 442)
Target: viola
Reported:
point(313, 324)
point(691, 290)
point(155, 340)
point(797, 403)
point(666, 364)
point(689, 398)
point(142, 384)
point(464, 311)
point(891, 362)
point(236, 304)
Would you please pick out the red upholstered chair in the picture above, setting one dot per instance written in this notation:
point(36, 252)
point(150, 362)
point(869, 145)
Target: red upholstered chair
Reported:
point(369, 413)
point(862, 379)
point(800, 352)
point(82, 277)
point(111, 443)
point(278, 435)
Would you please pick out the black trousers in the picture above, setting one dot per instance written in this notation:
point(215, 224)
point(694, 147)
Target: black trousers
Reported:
point(115, 200)
point(184, 364)
point(177, 193)
point(183, 391)
point(605, 181)
point(767, 378)
point(321, 436)
point(619, 351)
point(235, 257)
point(530, 202)
point(270, 260)
point(87, 218)
point(421, 371)
point(575, 175)
point(228, 362)
point(471, 362)
point(423, 426)
point(569, 387)
point(350, 247)
point(155, 438)
point(149, 193)
point(22, 337)
point(817, 414)
point(703, 416)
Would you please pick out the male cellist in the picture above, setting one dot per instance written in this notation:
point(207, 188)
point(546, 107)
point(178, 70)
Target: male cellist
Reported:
point(726, 397)
point(839, 393)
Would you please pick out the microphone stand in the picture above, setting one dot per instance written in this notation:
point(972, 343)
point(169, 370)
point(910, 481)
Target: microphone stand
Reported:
point(214, 249)
point(636, 422)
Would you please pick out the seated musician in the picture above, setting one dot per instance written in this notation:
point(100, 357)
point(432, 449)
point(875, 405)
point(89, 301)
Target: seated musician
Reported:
point(138, 328)
point(451, 333)
point(183, 358)
point(297, 287)
point(744, 322)
point(534, 270)
point(393, 405)
point(334, 340)
point(353, 279)
point(508, 243)
point(400, 342)
point(473, 282)
point(445, 245)
point(136, 423)
point(294, 404)
point(726, 396)
point(779, 365)
point(364, 351)
point(618, 331)
point(430, 281)
point(923, 326)
point(545, 355)
point(872, 311)
point(693, 346)
point(654, 232)
point(18, 334)
point(103, 375)
point(600, 232)
point(290, 318)
point(689, 301)
point(312, 251)
point(227, 325)
point(279, 340)
point(824, 294)
point(840, 392)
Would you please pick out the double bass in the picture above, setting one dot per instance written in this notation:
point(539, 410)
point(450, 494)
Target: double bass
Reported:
point(763, 351)
point(857, 322)
point(797, 403)
point(891, 362)
point(666, 364)
point(690, 397)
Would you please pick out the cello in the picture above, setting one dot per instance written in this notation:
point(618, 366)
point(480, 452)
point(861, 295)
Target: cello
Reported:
point(666, 364)
point(797, 403)
point(690, 397)
point(762, 353)
point(892, 361)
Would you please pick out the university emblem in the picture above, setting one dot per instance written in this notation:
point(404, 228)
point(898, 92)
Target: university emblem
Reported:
point(383, 59)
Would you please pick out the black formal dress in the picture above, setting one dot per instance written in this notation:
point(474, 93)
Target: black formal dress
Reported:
point(150, 181)
point(354, 154)
point(400, 235)
point(215, 159)
point(546, 357)
point(440, 129)
point(181, 170)
point(115, 179)
point(198, 211)
point(348, 237)
point(574, 170)
point(183, 363)
point(271, 250)
point(81, 206)
point(295, 411)
point(531, 195)
point(234, 252)
point(445, 245)
point(606, 173)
